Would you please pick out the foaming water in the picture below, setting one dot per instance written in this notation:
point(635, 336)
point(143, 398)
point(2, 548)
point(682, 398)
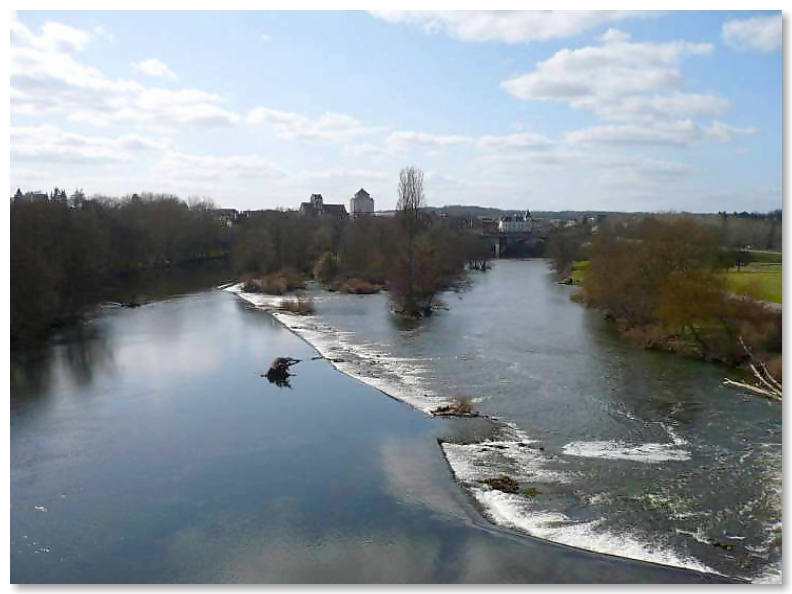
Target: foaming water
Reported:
point(542, 514)
point(616, 450)
point(645, 452)
point(514, 511)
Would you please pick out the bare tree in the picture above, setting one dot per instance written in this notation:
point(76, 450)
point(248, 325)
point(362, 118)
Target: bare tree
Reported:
point(408, 208)
point(411, 198)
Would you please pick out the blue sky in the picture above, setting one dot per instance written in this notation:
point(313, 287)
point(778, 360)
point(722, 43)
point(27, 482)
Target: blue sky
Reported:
point(548, 111)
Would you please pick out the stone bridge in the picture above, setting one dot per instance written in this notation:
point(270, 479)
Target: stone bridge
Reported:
point(516, 244)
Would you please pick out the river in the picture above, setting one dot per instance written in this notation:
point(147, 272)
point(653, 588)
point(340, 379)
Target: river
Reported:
point(146, 447)
point(634, 453)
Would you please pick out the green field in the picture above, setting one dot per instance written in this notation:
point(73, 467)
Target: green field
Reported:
point(759, 280)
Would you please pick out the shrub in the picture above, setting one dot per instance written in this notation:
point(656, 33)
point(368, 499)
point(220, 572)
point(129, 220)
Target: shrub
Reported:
point(503, 483)
point(774, 366)
point(277, 283)
point(460, 406)
point(359, 287)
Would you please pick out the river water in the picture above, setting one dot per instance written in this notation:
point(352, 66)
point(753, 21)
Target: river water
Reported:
point(146, 447)
point(621, 451)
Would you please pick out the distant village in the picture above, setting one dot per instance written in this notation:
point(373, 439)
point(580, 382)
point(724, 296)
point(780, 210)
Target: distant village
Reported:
point(360, 204)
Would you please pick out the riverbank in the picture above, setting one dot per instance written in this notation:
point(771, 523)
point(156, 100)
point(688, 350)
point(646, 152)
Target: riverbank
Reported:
point(477, 455)
point(716, 319)
point(149, 449)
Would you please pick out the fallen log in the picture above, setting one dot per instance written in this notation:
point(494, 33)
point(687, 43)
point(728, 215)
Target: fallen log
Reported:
point(751, 388)
point(768, 386)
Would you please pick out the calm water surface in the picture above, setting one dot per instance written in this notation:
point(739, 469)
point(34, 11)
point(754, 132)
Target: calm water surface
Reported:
point(145, 446)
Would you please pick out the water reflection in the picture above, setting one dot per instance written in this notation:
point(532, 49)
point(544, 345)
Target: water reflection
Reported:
point(279, 380)
point(70, 359)
point(87, 350)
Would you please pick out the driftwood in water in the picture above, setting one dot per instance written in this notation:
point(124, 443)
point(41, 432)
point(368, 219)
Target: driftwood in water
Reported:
point(278, 372)
point(768, 386)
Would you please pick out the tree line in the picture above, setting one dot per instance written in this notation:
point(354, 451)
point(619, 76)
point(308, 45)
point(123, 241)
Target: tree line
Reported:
point(66, 250)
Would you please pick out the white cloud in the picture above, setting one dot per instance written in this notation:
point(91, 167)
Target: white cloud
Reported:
point(505, 25)
point(520, 140)
point(761, 34)
point(46, 78)
point(328, 126)
point(596, 77)
point(658, 107)
point(342, 174)
point(48, 144)
point(645, 166)
point(620, 80)
point(725, 132)
point(614, 35)
point(679, 133)
point(404, 139)
point(266, 37)
point(54, 37)
point(154, 67)
point(24, 176)
point(676, 133)
point(615, 164)
point(631, 85)
point(364, 149)
point(182, 166)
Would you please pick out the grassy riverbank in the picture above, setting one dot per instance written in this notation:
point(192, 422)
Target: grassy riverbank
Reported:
point(670, 284)
point(761, 279)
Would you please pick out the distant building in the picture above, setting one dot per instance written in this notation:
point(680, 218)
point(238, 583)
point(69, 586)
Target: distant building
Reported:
point(516, 223)
point(316, 207)
point(361, 203)
point(30, 196)
point(227, 216)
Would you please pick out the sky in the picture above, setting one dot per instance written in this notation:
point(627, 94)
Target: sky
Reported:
point(610, 110)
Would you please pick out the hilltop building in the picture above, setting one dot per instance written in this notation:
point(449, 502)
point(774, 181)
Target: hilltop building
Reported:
point(316, 206)
point(361, 203)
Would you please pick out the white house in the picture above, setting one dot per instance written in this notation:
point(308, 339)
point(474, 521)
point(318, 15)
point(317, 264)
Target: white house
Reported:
point(361, 203)
point(516, 223)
